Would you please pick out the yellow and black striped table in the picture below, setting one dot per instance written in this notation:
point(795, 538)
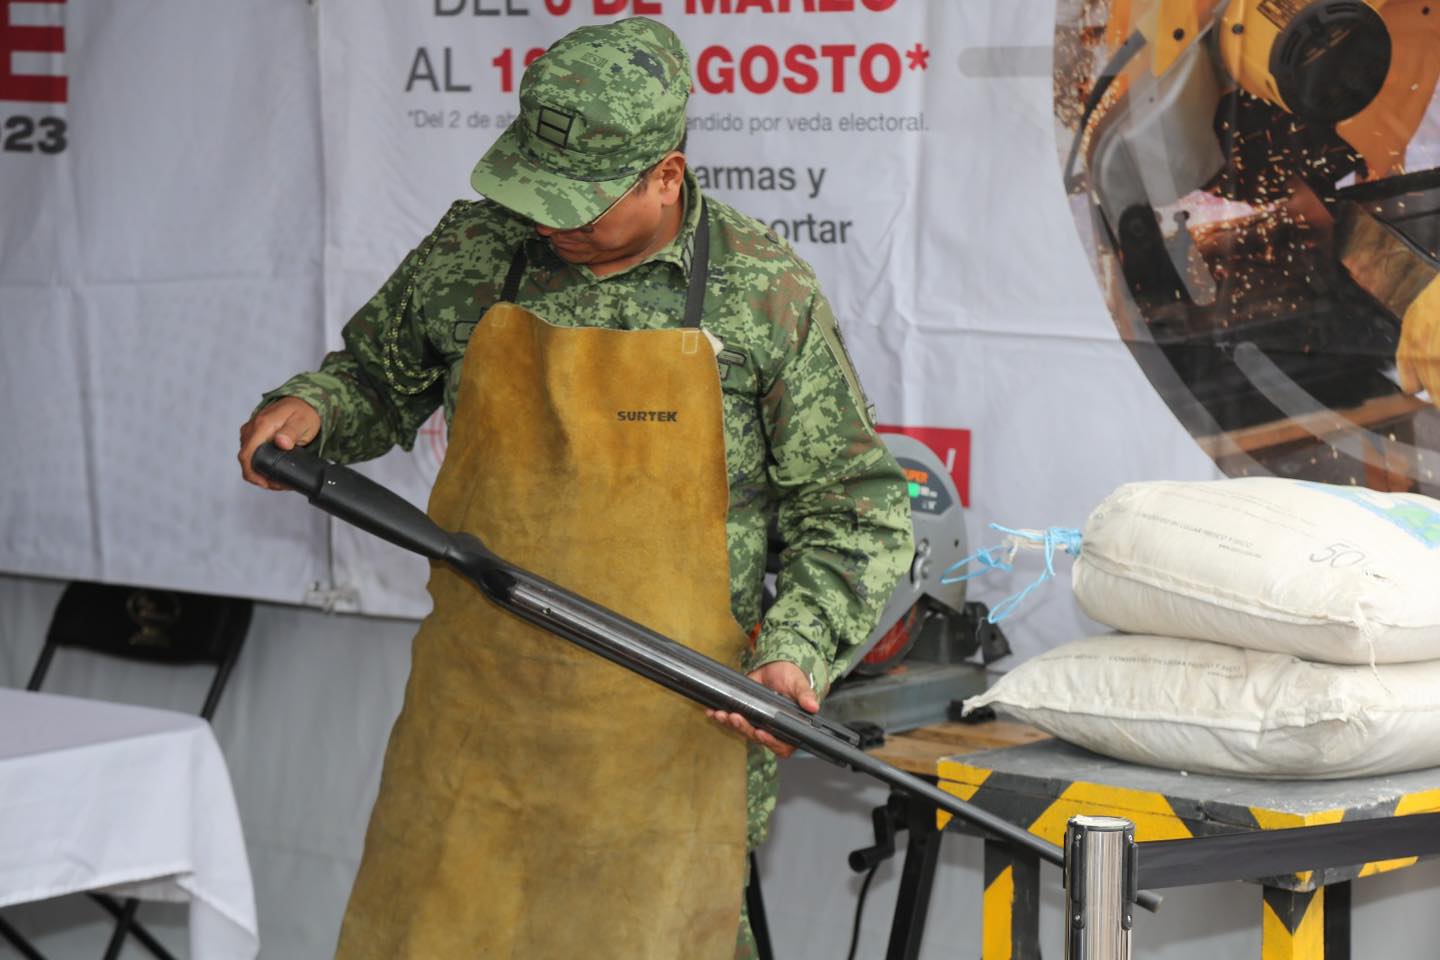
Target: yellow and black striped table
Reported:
point(1041, 785)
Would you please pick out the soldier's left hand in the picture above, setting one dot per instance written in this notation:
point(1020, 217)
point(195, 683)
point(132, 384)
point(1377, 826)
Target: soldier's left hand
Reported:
point(786, 679)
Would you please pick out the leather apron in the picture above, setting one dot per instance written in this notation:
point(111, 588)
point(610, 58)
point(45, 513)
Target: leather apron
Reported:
point(537, 801)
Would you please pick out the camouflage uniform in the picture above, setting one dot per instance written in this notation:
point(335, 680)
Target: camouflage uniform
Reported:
point(798, 439)
point(800, 445)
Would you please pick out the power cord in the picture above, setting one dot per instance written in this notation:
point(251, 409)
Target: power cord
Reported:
point(859, 911)
point(886, 820)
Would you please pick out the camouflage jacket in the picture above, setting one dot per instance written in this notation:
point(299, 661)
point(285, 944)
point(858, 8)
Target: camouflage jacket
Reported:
point(800, 444)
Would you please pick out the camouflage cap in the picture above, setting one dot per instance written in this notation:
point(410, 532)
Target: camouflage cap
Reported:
point(600, 107)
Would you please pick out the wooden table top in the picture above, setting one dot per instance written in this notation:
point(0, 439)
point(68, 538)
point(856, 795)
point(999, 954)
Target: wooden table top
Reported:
point(919, 751)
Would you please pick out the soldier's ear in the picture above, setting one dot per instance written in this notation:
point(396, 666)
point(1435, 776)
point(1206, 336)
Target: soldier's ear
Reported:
point(671, 177)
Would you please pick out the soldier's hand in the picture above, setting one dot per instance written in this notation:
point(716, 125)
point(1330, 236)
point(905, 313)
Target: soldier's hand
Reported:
point(786, 679)
point(289, 421)
point(1417, 359)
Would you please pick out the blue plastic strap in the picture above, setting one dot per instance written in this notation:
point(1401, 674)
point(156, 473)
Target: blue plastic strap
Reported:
point(986, 557)
point(1002, 557)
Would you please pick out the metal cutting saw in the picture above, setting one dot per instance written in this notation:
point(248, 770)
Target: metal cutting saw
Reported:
point(930, 645)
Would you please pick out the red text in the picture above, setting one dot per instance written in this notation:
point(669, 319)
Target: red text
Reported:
point(801, 68)
point(785, 6)
point(29, 88)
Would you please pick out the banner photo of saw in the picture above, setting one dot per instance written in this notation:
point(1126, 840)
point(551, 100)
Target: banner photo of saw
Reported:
point(1258, 185)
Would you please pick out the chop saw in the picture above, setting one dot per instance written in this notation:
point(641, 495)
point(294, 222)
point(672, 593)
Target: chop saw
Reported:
point(930, 646)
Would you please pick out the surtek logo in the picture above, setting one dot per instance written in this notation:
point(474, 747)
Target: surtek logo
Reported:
point(663, 416)
point(24, 31)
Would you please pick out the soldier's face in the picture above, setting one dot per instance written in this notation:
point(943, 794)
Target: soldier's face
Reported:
point(641, 222)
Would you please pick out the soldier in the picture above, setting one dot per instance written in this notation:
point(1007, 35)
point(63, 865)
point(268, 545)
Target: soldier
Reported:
point(637, 381)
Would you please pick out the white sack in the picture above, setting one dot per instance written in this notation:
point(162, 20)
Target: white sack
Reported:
point(1210, 708)
point(1331, 573)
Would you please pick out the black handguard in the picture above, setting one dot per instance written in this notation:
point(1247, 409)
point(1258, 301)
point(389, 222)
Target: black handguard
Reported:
point(353, 498)
point(356, 499)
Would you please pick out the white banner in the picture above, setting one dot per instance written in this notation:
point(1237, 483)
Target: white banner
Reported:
point(160, 240)
point(907, 151)
point(226, 199)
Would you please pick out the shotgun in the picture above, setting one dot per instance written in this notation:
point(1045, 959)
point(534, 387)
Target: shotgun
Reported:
point(356, 499)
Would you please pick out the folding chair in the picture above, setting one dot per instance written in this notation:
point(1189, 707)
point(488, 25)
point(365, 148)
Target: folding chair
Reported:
point(163, 627)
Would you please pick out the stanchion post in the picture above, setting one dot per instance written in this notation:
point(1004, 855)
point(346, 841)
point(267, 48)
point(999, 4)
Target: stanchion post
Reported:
point(1101, 871)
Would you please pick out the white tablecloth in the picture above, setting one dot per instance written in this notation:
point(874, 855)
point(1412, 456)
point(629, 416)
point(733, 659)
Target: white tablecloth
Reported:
point(99, 795)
